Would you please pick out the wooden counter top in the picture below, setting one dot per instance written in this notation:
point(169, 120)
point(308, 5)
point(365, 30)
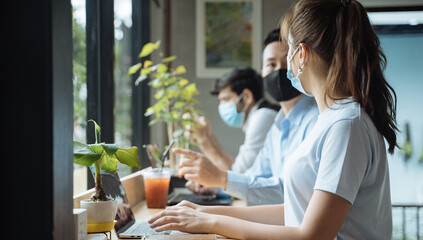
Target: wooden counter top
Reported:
point(134, 188)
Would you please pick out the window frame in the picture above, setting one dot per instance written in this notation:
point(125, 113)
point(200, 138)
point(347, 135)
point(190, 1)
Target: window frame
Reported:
point(100, 76)
point(397, 29)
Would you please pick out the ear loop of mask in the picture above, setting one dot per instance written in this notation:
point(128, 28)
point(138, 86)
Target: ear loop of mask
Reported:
point(245, 107)
point(295, 80)
point(300, 68)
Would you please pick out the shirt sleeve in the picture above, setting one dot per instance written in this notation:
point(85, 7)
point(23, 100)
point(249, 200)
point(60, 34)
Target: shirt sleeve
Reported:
point(255, 135)
point(255, 190)
point(345, 157)
point(257, 186)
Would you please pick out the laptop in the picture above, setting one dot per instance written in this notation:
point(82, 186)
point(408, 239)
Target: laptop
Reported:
point(180, 193)
point(126, 225)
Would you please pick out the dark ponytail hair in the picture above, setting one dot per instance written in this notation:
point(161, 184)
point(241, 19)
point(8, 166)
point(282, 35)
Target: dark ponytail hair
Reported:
point(341, 34)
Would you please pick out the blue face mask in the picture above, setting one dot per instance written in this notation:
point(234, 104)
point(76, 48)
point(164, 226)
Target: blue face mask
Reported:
point(295, 81)
point(230, 115)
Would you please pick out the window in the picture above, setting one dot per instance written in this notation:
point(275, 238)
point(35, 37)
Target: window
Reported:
point(401, 34)
point(123, 82)
point(79, 79)
point(103, 90)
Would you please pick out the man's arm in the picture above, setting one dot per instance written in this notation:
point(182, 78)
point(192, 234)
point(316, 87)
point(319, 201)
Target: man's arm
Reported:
point(258, 185)
point(208, 144)
point(256, 190)
point(196, 167)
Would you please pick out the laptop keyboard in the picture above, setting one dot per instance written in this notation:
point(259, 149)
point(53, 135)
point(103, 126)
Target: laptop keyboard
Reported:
point(143, 228)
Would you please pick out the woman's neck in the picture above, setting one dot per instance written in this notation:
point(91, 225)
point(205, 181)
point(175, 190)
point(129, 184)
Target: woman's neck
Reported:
point(319, 89)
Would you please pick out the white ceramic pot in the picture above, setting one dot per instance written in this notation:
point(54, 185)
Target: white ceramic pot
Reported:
point(100, 211)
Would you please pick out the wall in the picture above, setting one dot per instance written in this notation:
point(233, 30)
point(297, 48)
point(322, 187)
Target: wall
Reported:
point(183, 46)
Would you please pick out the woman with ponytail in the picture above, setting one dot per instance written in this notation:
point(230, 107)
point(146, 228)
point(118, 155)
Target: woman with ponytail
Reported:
point(336, 184)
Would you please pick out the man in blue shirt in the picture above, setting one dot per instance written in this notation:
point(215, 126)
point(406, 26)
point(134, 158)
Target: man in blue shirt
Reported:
point(262, 183)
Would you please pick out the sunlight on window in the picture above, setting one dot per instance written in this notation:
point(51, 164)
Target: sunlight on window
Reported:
point(123, 85)
point(79, 88)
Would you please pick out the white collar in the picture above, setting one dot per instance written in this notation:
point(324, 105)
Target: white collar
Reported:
point(245, 124)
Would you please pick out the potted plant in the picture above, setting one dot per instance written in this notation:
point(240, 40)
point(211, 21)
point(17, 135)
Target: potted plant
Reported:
point(104, 156)
point(174, 94)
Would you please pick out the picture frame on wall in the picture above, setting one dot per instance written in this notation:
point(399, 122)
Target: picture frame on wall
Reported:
point(228, 35)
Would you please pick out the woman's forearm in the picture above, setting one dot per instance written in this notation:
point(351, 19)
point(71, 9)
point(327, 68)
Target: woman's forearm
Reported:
point(266, 214)
point(241, 229)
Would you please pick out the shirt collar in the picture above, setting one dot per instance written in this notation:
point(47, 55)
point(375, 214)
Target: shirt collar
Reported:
point(295, 115)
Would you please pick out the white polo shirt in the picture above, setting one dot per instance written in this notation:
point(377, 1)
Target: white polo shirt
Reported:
point(345, 155)
point(258, 123)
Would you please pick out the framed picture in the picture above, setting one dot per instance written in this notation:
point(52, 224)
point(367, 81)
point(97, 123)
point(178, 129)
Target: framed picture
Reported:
point(228, 35)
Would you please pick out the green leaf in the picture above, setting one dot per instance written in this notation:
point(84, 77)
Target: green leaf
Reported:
point(97, 148)
point(78, 145)
point(134, 69)
point(159, 94)
point(86, 159)
point(156, 83)
point(97, 131)
point(110, 148)
point(149, 111)
point(182, 82)
point(157, 44)
point(172, 87)
point(173, 93)
point(84, 155)
point(178, 133)
point(155, 67)
point(191, 88)
point(162, 68)
point(109, 163)
point(152, 122)
point(179, 104)
point(149, 48)
point(180, 70)
point(147, 63)
point(128, 156)
point(189, 91)
point(145, 71)
point(169, 59)
point(140, 79)
point(175, 114)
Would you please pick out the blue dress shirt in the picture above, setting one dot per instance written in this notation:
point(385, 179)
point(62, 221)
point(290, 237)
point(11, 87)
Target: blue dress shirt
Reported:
point(262, 183)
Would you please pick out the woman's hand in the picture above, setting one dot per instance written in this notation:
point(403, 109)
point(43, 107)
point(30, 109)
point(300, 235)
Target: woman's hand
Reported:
point(183, 217)
point(185, 203)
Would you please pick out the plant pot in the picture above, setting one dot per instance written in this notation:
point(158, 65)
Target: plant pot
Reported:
point(100, 211)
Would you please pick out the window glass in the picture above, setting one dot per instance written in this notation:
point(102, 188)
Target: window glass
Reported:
point(401, 34)
point(79, 88)
point(123, 86)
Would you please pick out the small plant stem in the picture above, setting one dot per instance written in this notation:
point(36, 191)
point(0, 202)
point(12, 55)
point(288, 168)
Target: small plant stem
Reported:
point(99, 195)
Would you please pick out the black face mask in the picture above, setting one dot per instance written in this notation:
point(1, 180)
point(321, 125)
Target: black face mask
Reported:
point(279, 86)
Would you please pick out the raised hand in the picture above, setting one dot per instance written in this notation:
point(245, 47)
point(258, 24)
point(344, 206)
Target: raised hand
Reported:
point(196, 167)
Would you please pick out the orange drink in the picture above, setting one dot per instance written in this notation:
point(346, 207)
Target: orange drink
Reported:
point(156, 185)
